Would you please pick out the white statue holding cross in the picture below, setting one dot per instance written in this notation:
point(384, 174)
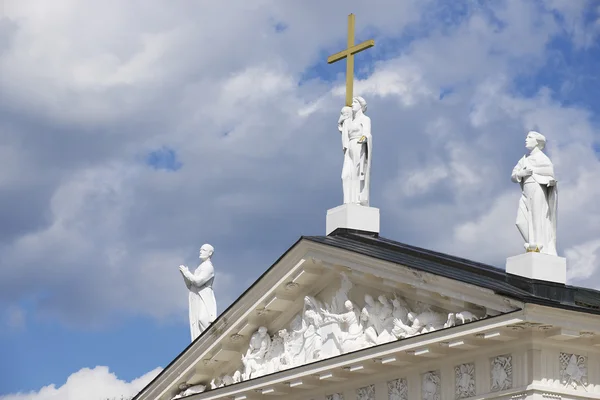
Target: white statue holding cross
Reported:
point(355, 127)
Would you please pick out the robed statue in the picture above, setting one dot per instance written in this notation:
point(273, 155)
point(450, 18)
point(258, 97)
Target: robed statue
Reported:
point(202, 302)
point(357, 144)
point(536, 216)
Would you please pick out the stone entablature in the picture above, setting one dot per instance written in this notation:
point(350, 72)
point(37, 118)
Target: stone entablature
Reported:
point(530, 359)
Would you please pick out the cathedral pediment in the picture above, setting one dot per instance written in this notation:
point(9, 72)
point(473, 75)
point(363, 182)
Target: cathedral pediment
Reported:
point(328, 297)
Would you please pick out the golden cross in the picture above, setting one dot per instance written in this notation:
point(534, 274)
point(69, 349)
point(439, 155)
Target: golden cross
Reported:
point(348, 54)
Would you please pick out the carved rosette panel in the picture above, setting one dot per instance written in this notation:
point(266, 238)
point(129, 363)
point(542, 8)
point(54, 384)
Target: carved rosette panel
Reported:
point(464, 377)
point(501, 373)
point(398, 389)
point(573, 370)
point(431, 387)
point(366, 393)
point(335, 396)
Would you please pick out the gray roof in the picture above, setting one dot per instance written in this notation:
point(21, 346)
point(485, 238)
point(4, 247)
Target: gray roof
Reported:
point(463, 270)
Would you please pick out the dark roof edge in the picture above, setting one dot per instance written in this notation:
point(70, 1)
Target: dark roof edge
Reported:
point(343, 231)
point(545, 293)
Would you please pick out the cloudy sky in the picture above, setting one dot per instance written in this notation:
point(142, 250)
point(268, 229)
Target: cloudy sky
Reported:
point(131, 132)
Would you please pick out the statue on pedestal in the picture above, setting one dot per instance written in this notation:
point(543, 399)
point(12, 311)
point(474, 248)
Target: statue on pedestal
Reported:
point(203, 305)
point(355, 127)
point(536, 216)
point(357, 144)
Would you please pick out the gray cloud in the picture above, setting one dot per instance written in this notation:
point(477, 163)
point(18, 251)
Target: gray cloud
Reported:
point(89, 225)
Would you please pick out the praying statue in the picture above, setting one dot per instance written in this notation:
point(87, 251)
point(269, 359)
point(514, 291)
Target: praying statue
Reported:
point(536, 216)
point(357, 144)
point(203, 306)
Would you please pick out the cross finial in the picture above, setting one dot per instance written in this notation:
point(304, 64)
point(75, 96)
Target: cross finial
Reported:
point(348, 54)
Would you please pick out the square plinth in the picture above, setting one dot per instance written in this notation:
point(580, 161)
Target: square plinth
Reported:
point(353, 216)
point(543, 267)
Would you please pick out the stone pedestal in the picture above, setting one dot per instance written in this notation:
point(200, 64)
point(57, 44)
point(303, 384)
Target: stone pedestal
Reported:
point(543, 267)
point(353, 216)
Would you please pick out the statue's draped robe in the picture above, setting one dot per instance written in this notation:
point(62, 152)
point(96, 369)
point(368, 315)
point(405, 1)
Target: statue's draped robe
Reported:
point(203, 305)
point(536, 216)
point(360, 158)
point(347, 164)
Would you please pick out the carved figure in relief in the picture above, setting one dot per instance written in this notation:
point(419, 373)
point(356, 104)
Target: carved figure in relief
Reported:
point(187, 390)
point(228, 380)
point(202, 303)
point(293, 341)
point(387, 321)
point(217, 383)
point(425, 322)
point(310, 330)
point(536, 216)
point(338, 303)
point(254, 359)
point(451, 320)
point(400, 317)
point(275, 360)
point(465, 316)
point(370, 316)
point(352, 337)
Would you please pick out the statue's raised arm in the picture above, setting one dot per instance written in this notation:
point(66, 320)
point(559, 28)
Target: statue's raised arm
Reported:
point(202, 302)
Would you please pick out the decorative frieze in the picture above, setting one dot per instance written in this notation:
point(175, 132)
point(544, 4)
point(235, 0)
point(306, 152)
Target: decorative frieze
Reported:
point(326, 328)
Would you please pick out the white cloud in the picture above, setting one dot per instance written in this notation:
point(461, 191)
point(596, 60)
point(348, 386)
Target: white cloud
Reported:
point(89, 384)
point(260, 154)
point(584, 260)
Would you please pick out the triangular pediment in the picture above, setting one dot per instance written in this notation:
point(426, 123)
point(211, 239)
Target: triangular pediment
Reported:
point(322, 300)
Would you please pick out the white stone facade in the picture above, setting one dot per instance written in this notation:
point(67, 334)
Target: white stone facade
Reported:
point(494, 348)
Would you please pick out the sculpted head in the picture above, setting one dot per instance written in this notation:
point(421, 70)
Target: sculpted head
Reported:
point(262, 331)
point(383, 300)
point(348, 305)
point(206, 252)
point(535, 139)
point(369, 300)
point(359, 104)
point(346, 112)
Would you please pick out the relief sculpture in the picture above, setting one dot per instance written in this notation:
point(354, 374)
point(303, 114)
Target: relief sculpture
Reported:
point(325, 328)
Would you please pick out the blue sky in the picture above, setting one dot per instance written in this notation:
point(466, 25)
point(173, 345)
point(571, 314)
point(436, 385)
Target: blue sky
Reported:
point(122, 150)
